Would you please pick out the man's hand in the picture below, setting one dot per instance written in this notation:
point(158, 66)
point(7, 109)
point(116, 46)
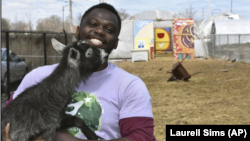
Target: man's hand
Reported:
point(39, 139)
point(60, 136)
point(64, 135)
point(6, 136)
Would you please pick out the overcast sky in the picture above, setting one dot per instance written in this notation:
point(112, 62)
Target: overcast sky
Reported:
point(19, 9)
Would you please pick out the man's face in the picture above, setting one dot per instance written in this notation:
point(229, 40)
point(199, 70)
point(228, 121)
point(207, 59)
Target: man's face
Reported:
point(100, 29)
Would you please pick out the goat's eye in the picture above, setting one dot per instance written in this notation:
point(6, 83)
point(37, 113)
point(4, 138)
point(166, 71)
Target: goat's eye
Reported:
point(90, 52)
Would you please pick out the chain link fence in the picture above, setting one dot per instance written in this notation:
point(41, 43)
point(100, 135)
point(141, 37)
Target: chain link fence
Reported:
point(35, 47)
point(229, 47)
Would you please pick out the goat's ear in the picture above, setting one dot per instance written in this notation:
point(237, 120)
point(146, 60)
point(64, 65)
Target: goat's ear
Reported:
point(73, 38)
point(57, 45)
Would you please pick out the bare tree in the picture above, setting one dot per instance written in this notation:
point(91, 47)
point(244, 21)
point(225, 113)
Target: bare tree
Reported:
point(52, 23)
point(30, 21)
point(55, 23)
point(123, 14)
point(5, 23)
point(198, 22)
point(40, 25)
point(19, 25)
point(189, 12)
point(67, 24)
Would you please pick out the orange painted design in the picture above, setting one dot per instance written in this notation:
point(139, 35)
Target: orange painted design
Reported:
point(183, 38)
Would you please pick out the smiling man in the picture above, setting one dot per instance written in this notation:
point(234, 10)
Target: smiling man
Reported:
point(100, 27)
point(115, 104)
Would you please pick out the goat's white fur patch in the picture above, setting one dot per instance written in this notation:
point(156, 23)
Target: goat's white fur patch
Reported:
point(80, 42)
point(103, 54)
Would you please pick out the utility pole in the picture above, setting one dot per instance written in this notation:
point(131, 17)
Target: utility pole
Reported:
point(63, 12)
point(231, 6)
point(208, 10)
point(202, 14)
point(63, 16)
point(71, 19)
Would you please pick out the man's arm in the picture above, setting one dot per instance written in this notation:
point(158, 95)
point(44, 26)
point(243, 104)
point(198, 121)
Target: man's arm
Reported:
point(132, 129)
point(137, 128)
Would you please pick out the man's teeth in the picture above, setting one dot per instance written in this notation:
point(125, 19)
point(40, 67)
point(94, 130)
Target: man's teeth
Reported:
point(96, 41)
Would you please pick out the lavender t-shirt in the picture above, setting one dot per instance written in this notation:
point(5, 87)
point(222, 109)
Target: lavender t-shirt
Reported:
point(106, 97)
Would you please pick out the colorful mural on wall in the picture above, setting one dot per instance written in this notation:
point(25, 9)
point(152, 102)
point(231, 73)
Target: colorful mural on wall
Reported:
point(183, 30)
point(144, 35)
point(162, 40)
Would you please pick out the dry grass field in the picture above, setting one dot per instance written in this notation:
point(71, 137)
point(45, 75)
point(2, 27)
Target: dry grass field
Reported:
point(220, 94)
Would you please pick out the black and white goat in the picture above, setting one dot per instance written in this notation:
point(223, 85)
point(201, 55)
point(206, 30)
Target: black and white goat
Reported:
point(40, 110)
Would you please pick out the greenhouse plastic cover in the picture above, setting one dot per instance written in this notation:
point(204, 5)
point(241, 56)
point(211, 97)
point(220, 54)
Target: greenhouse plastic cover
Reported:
point(235, 29)
point(156, 15)
point(126, 42)
point(206, 26)
point(240, 26)
point(161, 19)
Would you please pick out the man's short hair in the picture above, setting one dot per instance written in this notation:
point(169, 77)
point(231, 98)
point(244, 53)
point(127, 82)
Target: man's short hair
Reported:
point(106, 6)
